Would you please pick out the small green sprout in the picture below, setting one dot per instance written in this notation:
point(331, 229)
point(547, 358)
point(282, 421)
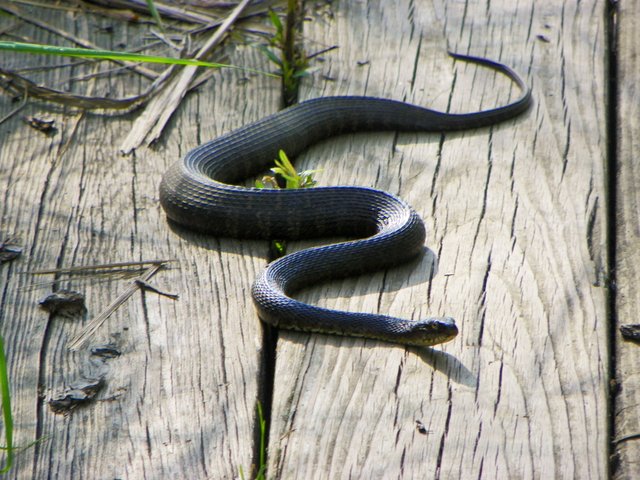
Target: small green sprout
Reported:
point(285, 171)
point(261, 473)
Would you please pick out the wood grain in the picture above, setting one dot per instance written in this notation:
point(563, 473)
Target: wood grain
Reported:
point(626, 433)
point(515, 217)
point(516, 252)
point(180, 402)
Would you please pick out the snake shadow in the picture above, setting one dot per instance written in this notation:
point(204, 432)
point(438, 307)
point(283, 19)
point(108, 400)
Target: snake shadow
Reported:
point(421, 269)
point(440, 361)
point(446, 364)
point(219, 244)
point(418, 271)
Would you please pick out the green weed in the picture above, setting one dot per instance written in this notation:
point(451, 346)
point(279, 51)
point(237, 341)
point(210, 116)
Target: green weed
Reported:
point(6, 410)
point(291, 61)
point(285, 175)
point(262, 453)
point(285, 170)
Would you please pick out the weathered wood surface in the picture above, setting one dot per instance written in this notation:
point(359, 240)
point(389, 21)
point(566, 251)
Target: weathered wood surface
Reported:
point(180, 401)
point(626, 432)
point(515, 215)
point(517, 251)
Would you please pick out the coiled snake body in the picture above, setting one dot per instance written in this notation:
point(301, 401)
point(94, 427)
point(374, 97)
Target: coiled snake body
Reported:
point(197, 193)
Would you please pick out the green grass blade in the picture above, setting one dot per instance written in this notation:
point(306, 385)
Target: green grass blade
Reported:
point(285, 162)
point(6, 409)
point(32, 48)
point(154, 13)
point(275, 20)
point(260, 475)
point(270, 55)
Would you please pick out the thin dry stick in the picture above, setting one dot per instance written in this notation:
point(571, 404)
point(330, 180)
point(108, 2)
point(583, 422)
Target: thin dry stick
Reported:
point(99, 266)
point(96, 278)
point(164, 10)
point(102, 272)
point(150, 124)
point(87, 332)
point(17, 84)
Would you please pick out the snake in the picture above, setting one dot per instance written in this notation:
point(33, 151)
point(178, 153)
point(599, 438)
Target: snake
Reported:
point(202, 192)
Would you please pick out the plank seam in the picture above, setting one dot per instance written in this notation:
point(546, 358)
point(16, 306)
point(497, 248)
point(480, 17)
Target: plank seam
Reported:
point(612, 98)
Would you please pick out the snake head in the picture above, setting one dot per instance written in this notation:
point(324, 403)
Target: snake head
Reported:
point(432, 331)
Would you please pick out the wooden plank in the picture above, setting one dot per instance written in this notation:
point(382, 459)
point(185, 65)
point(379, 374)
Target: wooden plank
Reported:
point(515, 215)
point(626, 432)
point(180, 400)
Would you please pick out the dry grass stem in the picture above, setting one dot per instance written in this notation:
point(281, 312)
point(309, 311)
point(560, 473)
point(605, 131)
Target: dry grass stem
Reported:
point(149, 125)
point(167, 11)
point(17, 84)
point(86, 333)
point(98, 267)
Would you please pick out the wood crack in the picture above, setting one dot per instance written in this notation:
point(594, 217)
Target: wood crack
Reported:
point(445, 432)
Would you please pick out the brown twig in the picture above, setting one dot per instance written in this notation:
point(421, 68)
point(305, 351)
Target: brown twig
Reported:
point(17, 84)
point(163, 9)
point(146, 286)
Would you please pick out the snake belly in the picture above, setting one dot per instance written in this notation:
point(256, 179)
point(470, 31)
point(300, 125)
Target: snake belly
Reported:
point(198, 192)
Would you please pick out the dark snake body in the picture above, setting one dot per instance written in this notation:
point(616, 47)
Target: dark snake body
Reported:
point(197, 193)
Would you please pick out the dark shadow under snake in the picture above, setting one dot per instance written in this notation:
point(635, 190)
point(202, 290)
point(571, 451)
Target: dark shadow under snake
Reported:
point(197, 193)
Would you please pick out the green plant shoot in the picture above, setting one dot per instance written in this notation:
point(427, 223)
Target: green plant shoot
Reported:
point(291, 62)
point(285, 170)
point(154, 13)
point(262, 460)
point(6, 410)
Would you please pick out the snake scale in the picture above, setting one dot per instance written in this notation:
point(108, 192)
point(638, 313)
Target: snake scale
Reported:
point(198, 193)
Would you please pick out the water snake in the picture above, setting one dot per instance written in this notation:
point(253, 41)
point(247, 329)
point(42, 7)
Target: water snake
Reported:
point(198, 193)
